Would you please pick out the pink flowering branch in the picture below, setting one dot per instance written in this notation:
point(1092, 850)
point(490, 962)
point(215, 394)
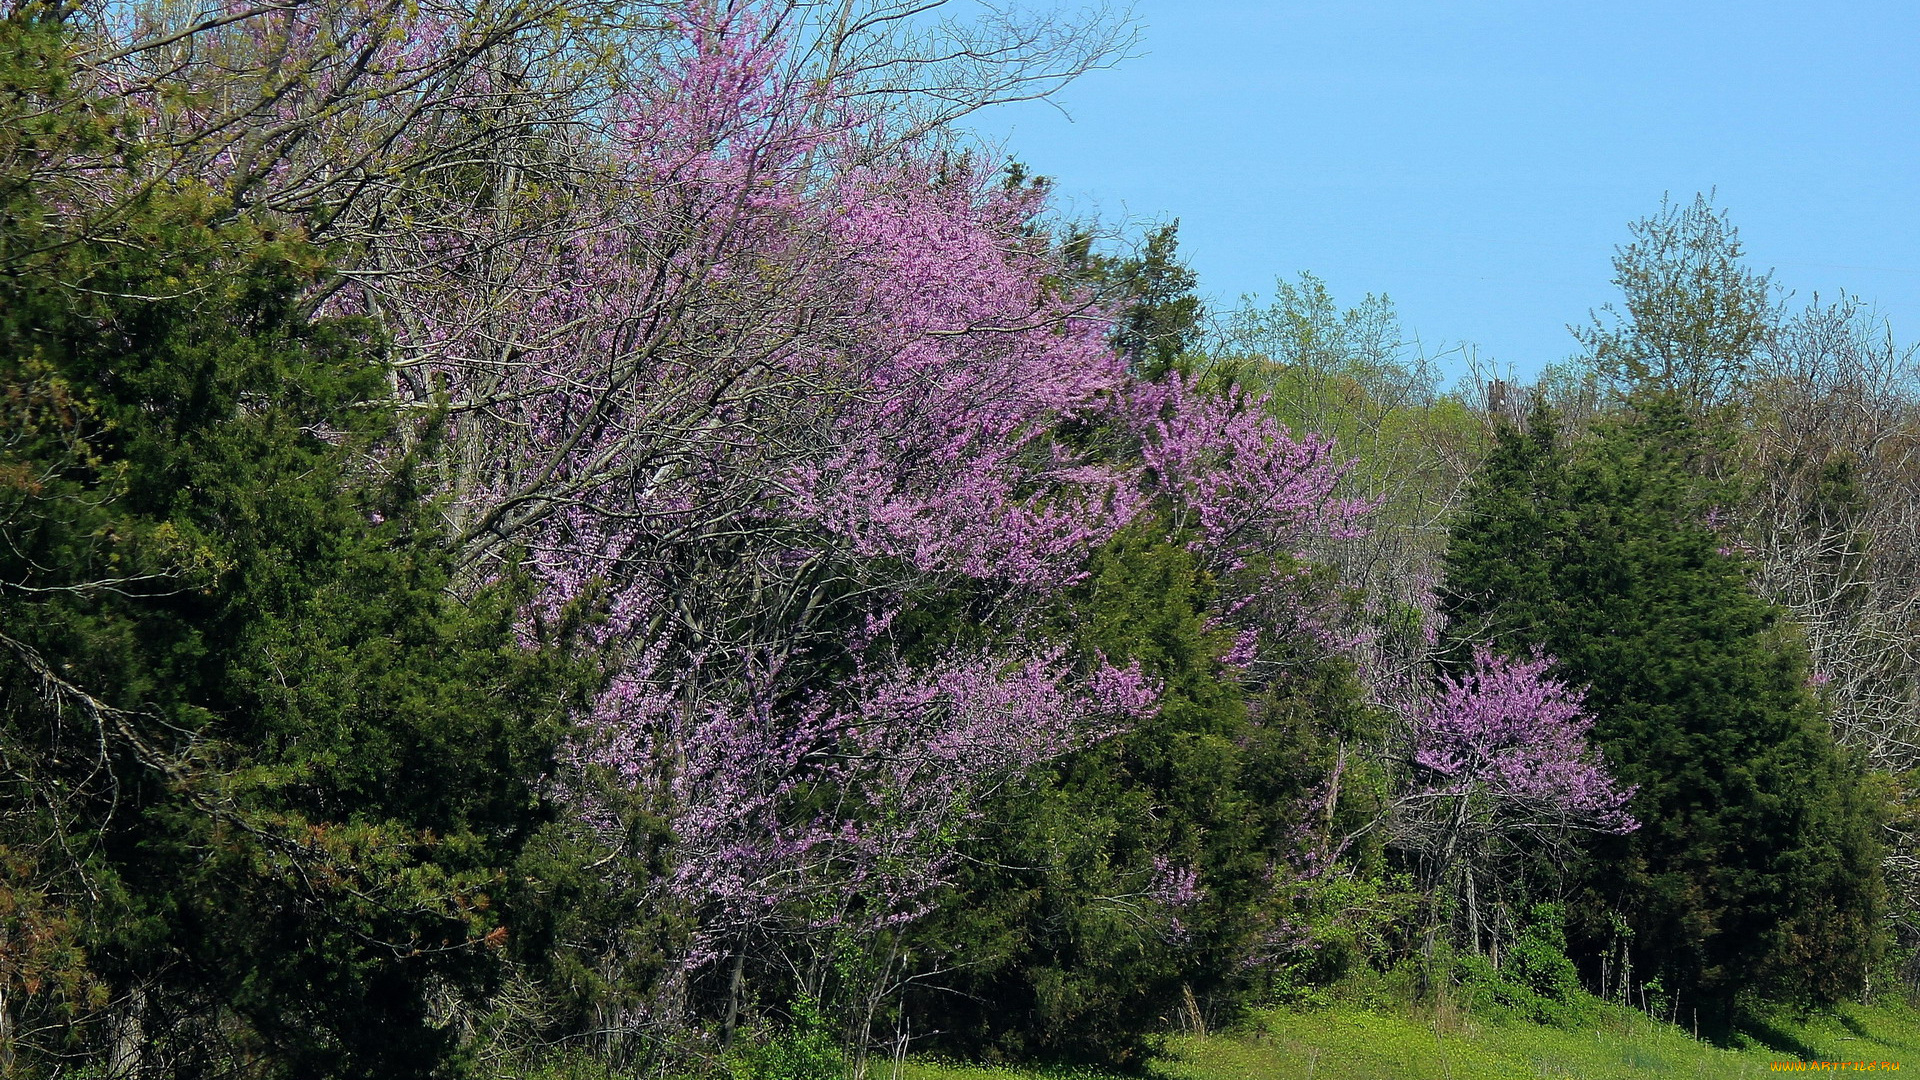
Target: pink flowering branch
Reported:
point(1503, 764)
point(1507, 730)
point(794, 817)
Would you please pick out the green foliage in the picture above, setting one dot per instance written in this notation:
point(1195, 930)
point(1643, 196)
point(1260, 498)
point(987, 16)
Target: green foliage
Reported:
point(583, 937)
point(269, 758)
point(1349, 923)
point(1317, 361)
point(1500, 578)
point(1158, 326)
point(806, 1048)
point(1695, 316)
point(1534, 979)
point(1350, 373)
point(1052, 944)
point(1755, 870)
point(275, 764)
point(571, 1066)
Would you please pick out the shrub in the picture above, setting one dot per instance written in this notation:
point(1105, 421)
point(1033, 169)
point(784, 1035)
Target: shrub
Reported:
point(806, 1049)
point(1535, 981)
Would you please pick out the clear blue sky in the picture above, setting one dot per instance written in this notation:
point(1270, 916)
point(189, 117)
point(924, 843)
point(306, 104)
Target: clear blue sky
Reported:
point(1478, 160)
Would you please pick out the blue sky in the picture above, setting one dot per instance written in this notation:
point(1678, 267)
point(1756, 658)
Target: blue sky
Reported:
point(1478, 160)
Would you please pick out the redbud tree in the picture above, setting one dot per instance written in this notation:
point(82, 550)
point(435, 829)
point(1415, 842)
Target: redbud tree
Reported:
point(772, 392)
point(720, 333)
point(1503, 767)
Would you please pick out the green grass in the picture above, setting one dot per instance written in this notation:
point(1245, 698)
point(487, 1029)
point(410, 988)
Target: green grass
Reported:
point(1353, 1043)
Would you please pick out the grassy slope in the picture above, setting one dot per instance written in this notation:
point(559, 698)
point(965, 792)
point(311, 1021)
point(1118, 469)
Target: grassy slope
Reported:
point(1350, 1043)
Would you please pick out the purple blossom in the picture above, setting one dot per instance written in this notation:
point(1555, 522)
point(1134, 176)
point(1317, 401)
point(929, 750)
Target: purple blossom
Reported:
point(1508, 730)
point(1173, 885)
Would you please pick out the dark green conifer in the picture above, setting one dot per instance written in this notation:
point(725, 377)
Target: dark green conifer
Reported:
point(266, 763)
point(1049, 948)
point(1754, 872)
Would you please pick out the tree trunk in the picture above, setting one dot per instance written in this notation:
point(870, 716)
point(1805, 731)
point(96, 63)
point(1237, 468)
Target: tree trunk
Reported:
point(129, 1037)
point(1473, 910)
point(6, 1033)
point(736, 980)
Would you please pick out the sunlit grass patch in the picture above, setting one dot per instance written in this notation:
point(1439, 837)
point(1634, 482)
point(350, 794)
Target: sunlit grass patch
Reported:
point(1349, 1042)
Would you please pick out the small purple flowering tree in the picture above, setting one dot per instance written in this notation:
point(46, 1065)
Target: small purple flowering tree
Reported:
point(1501, 765)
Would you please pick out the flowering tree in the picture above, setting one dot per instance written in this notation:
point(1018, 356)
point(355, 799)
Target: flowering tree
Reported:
point(762, 515)
point(1502, 755)
point(721, 336)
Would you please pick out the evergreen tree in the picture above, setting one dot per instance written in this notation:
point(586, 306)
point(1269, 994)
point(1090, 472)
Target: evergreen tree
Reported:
point(1754, 872)
point(1152, 875)
point(266, 776)
point(1158, 321)
point(1499, 577)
